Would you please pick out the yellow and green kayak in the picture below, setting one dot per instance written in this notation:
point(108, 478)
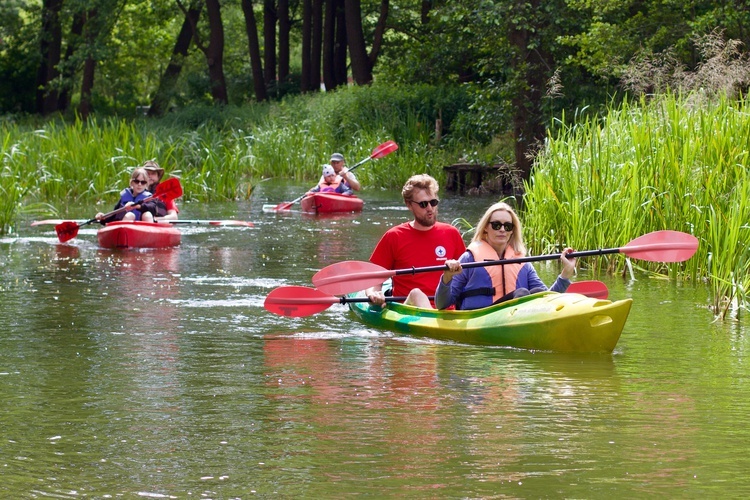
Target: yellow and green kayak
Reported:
point(547, 321)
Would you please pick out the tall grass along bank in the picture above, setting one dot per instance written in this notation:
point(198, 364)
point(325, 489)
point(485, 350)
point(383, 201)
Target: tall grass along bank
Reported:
point(669, 163)
point(220, 153)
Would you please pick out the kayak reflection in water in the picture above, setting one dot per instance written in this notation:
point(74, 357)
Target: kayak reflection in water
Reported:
point(498, 235)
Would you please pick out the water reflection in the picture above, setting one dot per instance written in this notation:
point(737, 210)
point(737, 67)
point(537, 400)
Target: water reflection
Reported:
point(158, 373)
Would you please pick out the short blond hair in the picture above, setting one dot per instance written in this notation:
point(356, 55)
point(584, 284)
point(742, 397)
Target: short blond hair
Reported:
point(420, 181)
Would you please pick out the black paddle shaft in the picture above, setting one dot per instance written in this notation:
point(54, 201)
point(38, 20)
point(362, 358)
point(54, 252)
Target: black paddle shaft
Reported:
point(346, 300)
point(519, 260)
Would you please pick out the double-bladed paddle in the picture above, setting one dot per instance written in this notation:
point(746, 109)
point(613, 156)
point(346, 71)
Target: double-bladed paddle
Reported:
point(384, 149)
point(228, 222)
point(167, 190)
point(351, 276)
point(300, 301)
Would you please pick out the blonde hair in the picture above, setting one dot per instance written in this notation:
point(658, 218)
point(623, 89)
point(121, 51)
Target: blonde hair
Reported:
point(420, 181)
point(516, 237)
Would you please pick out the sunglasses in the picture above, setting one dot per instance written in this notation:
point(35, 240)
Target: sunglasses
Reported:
point(142, 183)
point(423, 204)
point(496, 225)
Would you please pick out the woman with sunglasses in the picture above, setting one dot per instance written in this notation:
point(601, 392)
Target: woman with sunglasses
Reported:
point(131, 197)
point(498, 235)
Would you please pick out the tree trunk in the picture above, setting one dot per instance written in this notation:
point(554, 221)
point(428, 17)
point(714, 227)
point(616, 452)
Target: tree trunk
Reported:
point(285, 27)
point(87, 84)
point(305, 84)
point(269, 42)
point(215, 53)
point(68, 73)
point(377, 39)
point(329, 30)
point(528, 125)
point(50, 50)
point(168, 81)
point(316, 44)
point(425, 13)
point(256, 63)
point(91, 33)
point(339, 47)
point(361, 70)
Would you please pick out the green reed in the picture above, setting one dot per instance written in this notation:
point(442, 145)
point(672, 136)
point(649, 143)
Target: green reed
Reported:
point(675, 162)
point(220, 153)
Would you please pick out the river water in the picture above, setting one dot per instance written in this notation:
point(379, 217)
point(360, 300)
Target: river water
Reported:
point(159, 374)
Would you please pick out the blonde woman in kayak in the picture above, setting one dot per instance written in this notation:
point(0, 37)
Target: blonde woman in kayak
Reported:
point(498, 235)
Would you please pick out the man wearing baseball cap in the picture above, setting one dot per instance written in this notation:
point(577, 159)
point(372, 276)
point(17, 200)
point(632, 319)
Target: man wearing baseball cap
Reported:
point(338, 164)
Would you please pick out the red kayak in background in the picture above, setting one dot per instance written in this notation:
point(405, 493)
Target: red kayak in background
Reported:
point(138, 235)
point(329, 203)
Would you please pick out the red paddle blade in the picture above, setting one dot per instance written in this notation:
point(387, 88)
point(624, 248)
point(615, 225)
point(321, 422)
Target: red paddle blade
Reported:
point(384, 149)
point(168, 190)
point(593, 289)
point(350, 276)
point(298, 301)
point(662, 246)
point(66, 230)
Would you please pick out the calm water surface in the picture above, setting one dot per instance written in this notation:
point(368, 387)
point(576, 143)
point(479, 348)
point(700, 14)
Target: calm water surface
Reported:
point(158, 374)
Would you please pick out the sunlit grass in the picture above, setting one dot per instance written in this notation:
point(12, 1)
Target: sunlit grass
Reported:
point(662, 164)
point(221, 153)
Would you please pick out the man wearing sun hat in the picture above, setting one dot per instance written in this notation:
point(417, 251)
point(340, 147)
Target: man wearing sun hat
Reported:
point(161, 210)
point(338, 164)
point(331, 183)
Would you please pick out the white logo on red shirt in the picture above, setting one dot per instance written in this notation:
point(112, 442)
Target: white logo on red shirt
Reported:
point(440, 251)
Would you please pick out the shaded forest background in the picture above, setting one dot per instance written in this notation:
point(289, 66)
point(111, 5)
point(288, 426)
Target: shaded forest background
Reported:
point(502, 69)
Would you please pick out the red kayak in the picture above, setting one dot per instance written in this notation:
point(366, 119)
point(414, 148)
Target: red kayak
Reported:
point(138, 235)
point(328, 203)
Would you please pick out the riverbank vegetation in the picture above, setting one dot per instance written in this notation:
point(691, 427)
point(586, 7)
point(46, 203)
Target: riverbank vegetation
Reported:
point(220, 153)
point(612, 124)
point(672, 162)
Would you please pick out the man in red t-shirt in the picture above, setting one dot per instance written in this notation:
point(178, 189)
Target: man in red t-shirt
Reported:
point(421, 242)
point(155, 173)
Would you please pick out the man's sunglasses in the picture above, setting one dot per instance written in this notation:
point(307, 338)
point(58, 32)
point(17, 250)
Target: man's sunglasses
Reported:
point(496, 225)
point(423, 204)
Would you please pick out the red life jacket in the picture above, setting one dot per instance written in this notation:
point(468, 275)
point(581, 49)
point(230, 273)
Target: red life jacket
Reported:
point(504, 276)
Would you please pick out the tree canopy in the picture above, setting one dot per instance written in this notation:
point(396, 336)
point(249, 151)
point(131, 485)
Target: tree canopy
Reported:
point(522, 61)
